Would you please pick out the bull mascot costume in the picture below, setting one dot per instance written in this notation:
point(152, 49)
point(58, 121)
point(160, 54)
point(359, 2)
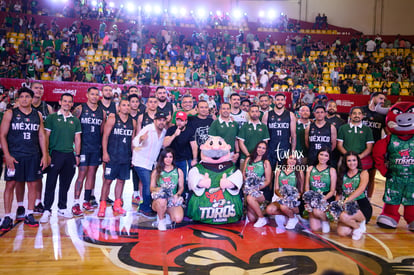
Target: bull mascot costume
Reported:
point(394, 158)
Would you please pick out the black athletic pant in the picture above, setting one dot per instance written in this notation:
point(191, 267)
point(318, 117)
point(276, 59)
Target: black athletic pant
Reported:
point(62, 165)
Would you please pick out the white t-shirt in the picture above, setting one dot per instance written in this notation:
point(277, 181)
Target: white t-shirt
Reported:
point(370, 46)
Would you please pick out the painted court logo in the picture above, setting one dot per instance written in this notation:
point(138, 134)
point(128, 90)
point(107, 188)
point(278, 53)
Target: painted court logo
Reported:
point(228, 249)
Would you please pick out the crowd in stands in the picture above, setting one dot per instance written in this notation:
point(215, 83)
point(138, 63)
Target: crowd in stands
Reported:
point(29, 49)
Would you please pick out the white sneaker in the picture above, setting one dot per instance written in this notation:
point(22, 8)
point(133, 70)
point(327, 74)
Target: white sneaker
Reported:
point(167, 219)
point(280, 221)
point(357, 234)
point(161, 225)
point(326, 227)
point(291, 223)
point(260, 222)
point(64, 213)
point(362, 226)
point(45, 217)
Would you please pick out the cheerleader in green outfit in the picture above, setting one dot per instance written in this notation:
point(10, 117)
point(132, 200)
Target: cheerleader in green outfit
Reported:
point(288, 174)
point(352, 183)
point(167, 185)
point(321, 178)
point(257, 174)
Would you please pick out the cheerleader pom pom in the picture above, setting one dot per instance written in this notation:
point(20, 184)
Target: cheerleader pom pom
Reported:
point(308, 195)
point(290, 196)
point(351, 207)
point(161, 194)
point(336, 208)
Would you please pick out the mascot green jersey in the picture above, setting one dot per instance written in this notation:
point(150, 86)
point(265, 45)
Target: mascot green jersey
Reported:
point(215, 183)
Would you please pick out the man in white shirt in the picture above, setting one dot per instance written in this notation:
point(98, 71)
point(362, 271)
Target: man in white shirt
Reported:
point(227, 91)
point(203, 95)
point(238, 61)
point(130, 81)
point(119, 72)
point(146, 147)
point(117, 90)
point(370, 46)
point(236, 113)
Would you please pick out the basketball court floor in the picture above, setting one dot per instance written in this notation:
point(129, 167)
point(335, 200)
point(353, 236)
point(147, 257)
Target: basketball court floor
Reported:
point(132, 245)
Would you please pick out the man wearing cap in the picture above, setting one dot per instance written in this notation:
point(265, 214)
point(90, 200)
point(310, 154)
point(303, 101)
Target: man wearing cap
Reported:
point(180, 138)
point(320, 134)
point(146, 148)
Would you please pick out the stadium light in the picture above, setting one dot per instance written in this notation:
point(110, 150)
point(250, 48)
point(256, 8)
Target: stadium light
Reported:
point(261, 14)
point(201, 13)
point(174, 10)
point(111, 4)
point(94, 3)
point(219, 13)
point(148, 9)
point(271, 14)
point(237, 14)
point(157, 10)
point(130, 6)
point(183, 11)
